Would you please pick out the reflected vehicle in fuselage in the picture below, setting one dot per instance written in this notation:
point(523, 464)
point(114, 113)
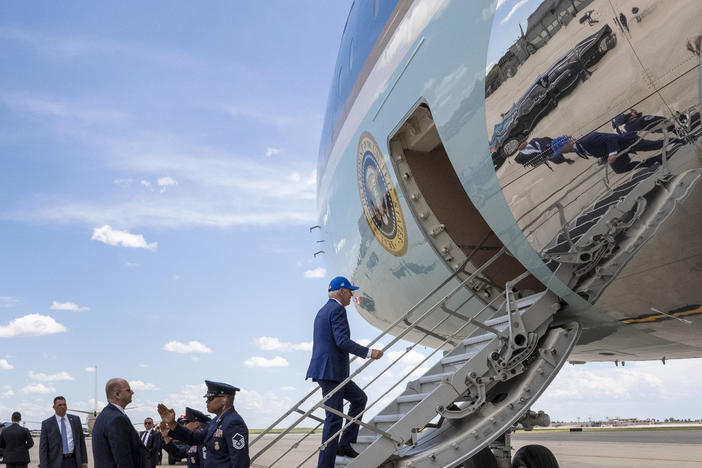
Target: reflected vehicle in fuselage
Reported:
point(543, 95)
point(411, 204)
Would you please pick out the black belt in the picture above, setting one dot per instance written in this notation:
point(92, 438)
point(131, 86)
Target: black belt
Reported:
point(68, 455)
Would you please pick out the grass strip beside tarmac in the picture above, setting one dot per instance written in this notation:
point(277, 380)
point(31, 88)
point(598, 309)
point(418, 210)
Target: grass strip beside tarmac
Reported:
point(616, 429)
point(297, 430)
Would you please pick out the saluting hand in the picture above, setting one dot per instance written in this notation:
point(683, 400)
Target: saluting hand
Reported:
point(167, 415)
point(163, 427)
point(376, 353)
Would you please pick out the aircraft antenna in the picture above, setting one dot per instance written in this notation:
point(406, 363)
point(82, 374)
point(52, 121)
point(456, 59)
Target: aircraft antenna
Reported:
point(95, 396)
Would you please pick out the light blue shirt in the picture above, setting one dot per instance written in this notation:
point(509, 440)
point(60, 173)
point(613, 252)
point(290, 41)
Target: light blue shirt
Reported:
point(69, 431)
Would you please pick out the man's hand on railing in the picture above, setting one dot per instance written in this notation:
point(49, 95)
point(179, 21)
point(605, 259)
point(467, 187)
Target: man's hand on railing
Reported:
point(376, 354)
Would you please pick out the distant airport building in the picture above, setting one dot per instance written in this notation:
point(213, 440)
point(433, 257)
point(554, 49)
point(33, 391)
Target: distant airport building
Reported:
point(542, 24)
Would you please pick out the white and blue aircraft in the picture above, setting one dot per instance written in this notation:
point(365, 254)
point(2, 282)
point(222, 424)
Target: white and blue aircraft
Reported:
point(543, 210)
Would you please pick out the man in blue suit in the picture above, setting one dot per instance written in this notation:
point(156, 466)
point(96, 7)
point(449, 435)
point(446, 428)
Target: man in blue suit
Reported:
point(611, 148)
point(62, 443)
point(329, 366)
point(116, 443)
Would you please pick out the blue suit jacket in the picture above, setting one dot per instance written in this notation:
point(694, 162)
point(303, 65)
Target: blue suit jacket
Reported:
point(51, 446)
point(116, 443)
point(332, 344)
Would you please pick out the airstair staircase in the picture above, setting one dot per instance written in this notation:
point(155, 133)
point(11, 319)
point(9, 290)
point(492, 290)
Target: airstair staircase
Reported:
point(498, 361)
point(604, 236)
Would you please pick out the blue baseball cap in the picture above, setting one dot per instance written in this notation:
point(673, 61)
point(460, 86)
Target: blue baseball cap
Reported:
point(341, 283)
point(558, 143)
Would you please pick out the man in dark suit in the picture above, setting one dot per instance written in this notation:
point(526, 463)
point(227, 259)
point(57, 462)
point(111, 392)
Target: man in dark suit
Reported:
point(116, 443)
point(16, 442)
point(329, 366)
point(62, 443)
point(151, 438)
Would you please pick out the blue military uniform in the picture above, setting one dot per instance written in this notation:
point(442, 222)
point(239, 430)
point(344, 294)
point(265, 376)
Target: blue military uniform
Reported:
point(225, 439)
point(196, 454)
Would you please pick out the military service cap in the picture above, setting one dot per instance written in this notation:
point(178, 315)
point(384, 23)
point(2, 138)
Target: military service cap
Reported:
point(193, 415)
point(218, 388)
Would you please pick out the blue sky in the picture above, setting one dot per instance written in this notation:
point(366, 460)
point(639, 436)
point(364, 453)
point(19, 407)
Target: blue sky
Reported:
point(509, 14)
point(157, 183)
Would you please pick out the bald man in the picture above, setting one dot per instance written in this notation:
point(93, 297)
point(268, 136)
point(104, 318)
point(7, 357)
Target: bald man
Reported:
point(116, 443)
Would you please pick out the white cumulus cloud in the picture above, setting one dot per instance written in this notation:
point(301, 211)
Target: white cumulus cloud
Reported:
point(4, 365)
point(316, 273)
point(412, 358)
point(186, 348)
point(7, 392)
point(31, 325)
point(141, 385)
point(166, 181)
point(57, 377)
point(55, 305)
point(38, 388)
point(514, 9)
point(271, 151)
point(256, 361)
point(270, 343)
point(111, 236)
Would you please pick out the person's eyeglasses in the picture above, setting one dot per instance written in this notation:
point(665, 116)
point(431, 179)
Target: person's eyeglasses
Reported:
point(212, 397)
point(147, 423)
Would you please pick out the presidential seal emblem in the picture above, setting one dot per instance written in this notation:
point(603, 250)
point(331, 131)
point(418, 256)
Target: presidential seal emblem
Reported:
point(379, 198)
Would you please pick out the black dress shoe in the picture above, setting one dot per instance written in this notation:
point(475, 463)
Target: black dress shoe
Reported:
point(346, 451)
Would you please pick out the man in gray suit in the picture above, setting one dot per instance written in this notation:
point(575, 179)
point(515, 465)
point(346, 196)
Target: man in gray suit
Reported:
point(62, 443)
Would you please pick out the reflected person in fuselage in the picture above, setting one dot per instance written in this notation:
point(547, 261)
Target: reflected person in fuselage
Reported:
point(611, 148)
point(329, 367)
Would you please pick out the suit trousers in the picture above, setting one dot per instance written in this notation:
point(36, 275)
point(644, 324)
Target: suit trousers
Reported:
point(17, 465)
point(332, 423)
point(624, 163)
point(69, 462)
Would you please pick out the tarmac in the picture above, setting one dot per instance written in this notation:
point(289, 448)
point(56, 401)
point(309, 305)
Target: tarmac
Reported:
point(605, 449)
point(602, 449)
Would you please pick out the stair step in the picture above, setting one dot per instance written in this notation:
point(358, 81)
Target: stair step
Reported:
point(387, 418)
point(458, 358)
point(366, 440)
point(478, 339)
point(434, 377)
point(412, 397)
